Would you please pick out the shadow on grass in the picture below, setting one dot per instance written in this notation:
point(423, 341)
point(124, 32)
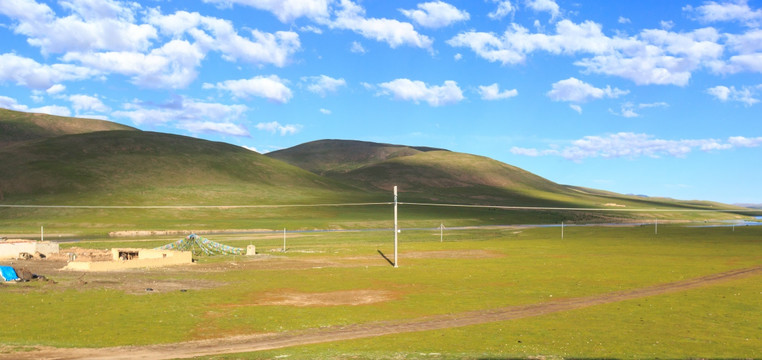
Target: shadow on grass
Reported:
point(385, 258)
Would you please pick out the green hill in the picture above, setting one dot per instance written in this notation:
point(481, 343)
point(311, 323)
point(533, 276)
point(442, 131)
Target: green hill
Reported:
point(128, 167)
point(339, 156)
point(65, 161)
point(426, 174)
point(16, 126)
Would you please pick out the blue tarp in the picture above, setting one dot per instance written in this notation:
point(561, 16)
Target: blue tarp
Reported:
point(7, 273)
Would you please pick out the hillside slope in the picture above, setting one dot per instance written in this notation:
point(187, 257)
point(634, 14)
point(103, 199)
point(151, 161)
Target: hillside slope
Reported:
point(16, 126)
point(135, 167)
point(339, 156)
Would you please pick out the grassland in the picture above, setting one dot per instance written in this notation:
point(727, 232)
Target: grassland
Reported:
point(470, 271)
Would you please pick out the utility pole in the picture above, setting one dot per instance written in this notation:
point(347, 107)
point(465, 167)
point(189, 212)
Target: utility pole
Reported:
point(42, 234)
point(396, 229)
point(441, 232)
point(562, 230)
point(656, 226)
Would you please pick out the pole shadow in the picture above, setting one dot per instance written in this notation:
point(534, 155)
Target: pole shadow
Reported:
point(385, 258)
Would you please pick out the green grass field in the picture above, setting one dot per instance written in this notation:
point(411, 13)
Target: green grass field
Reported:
point(470, 270)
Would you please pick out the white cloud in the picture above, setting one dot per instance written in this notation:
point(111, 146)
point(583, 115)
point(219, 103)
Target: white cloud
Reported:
point(217, 127)
point(52, 110)
point(492, 92)
point(576, 108)
point(457, 56)
point(628, 109)
point(55, 89)
point(357, 48)
point(171, 66)
point(578, 91)
point(416, 91)
point(11, 104)
point(92, 25)
point(651, 57)
point(270, 87)
point(436, 14)
point(188, 114)
point(737, 10)
point(27, 72)
point(393, 32)
point(666, 25)
point(322, 85)
point(325, 111)
point(632, 145)
point(276, 127)
point(217, 34)
point(250, 148)
point(623, 20)
point(745, 95)
point(548, 6)
point(284, 10)
point(83, 103)
point(503, 9)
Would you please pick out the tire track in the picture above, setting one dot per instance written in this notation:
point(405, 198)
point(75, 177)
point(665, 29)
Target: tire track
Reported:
point(249, 343)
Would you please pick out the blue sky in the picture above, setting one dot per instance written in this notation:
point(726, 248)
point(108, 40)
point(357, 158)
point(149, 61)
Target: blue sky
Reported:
point(649, 97)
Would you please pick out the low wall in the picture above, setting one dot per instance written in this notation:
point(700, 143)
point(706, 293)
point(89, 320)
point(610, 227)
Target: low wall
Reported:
point(155, 259)
point(12, 248)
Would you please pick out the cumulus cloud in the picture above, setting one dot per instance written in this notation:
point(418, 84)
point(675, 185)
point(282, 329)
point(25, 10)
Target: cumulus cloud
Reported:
point(55, 89)
point(651, 57)
point(276, 127)
point(548, 6)
point(188, 114)
point(576, 108)
point(216, 34)
point(171, 66)
point(436, 14)
point(91, 25)
point(632, 145)
point(492, 92)
point(216, 127)
point(325, 111)
point(736, 11)
point(322, 85)
point(745, 95)
point(284, 10)
point(12, 104)
point(351, 16)
point(417, 91)
point(578, 91)
point(82, 103)
point(29, 73)
point(268, 87)
point(623, 20)
point(504, 8)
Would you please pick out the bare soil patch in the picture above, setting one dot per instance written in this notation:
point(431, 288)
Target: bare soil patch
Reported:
point(334, 298)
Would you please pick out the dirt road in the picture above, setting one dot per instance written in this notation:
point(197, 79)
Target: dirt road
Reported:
point(250, 343)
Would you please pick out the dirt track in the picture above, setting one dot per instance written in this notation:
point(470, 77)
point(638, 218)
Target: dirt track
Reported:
point(250, 343)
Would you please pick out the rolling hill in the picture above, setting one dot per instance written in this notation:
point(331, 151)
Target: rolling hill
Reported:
point(55, 160)
point(427, 174)
point(338, 156)
point(67, 164)
point(16, 126)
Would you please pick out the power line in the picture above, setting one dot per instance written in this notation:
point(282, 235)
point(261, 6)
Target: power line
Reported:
point(503, 207)
point(187, 206)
